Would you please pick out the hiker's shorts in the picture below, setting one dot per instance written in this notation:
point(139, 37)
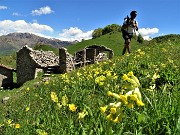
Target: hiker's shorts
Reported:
point(127, 35)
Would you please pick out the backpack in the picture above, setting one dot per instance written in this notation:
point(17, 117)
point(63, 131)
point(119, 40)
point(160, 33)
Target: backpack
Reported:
point(127, 20)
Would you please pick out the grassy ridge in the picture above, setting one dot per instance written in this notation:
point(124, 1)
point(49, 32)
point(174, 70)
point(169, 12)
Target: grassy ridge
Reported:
point(34, 109)
point(111, 40)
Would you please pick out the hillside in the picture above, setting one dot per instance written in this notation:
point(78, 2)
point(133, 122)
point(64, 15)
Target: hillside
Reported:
point(14, 41)
point(111, 40)
point(103, 99)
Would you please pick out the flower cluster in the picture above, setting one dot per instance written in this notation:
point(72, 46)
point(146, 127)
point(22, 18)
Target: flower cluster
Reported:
point(132, 96)
point(64, 102)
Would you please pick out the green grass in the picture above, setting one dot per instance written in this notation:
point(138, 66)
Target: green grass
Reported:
point(155, 65)
point(111, 40)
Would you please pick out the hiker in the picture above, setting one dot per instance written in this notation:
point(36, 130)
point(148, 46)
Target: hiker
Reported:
point(128, 28)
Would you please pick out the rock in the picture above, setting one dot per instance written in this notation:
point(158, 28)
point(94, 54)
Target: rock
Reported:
point(5, 99)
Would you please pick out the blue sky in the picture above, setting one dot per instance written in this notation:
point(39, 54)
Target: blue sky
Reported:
point(76, 19)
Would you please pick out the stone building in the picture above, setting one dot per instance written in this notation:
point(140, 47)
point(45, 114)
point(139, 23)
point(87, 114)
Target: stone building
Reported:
point(6, 76)
point(88, 55)
point(92, 54)
point(30, 61)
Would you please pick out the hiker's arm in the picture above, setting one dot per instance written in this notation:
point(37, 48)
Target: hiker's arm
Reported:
point(135, 25)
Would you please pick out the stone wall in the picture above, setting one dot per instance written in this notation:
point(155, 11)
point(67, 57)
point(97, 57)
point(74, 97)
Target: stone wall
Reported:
point(66, 61)
point(6, 76)
point(29, 60)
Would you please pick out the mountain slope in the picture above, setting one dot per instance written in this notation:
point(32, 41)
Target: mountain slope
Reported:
point(113, 40)
point(14, 41)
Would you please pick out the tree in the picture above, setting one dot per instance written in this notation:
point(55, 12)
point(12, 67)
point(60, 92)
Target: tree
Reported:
point(110, 28)
point(140, 39)
point(97, 33)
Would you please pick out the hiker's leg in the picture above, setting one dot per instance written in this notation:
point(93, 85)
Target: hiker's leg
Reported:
point(128, 46)
point(124, 50)
point(125, 46)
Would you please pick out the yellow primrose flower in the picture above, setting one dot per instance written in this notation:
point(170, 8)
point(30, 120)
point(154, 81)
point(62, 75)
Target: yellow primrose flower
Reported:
point(116, 120)
point(125, 77)
point(9, 121)
point(130, 105)
point(138, 93)
point(27, 88)
point(17, 125)
point(103, 109)
point(54, 97)
point(109, 117)
point(136, 80)
point(72, 107)
point(78, 74)
point(130, 73)
point(155, 76)
point(59, 105)
point(27, 109)
point(139, 103)
point(124, 99)
point(109, 93)
point(82, 114)
point(64, 100)
point(133, 82)
point(46, 82)
point(108, 73)
point(113, 110)
point(133, 97)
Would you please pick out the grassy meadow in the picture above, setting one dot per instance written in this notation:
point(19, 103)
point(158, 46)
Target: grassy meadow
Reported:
point(134, 94)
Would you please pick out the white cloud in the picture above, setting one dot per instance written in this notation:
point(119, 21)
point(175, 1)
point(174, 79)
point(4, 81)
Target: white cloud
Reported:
point(16, 14)
point(8, 26)
point(147, 32)
point(3, 7)
point(74, 33)
point(42, 10)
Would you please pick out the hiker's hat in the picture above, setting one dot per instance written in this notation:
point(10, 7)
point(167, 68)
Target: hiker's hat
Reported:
point(133, 13)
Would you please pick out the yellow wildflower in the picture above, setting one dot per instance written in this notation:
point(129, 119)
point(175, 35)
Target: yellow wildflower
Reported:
point(130, 105)
point(9, 121)
point(64, 100)
point(72, 107)
point(54, 97)
point(82, 114)
point(130, 73)
point(103, 109)
point(17, 125)
point(125, 77)
point(109, 117)
point(124, 99)
point(59, 105)
point(133, 82)
point(1, 125)
point(138, 93)
point(109, 93)
point(46, 82)
point(116, 96)
point(27, 88)
point(113, 110)
point(139, 103)
point(27, 109)
point(133, 97)
point(116, 120)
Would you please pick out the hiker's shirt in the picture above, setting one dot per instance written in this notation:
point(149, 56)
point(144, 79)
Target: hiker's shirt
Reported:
point(130, 29)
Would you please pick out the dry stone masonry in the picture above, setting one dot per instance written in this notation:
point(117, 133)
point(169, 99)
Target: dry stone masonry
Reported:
point(29, 62)
point(6, 76)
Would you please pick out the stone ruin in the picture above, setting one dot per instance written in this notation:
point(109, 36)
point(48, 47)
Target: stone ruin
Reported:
point(6, 76)
point(29, 62)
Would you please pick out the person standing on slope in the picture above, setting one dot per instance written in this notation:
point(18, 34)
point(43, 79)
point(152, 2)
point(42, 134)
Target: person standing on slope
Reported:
point(128, 28)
